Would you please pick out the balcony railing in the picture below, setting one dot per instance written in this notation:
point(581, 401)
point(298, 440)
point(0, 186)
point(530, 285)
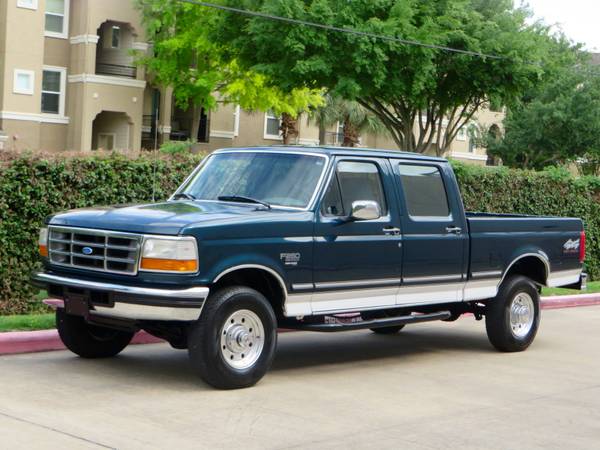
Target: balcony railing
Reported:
point(116, 70)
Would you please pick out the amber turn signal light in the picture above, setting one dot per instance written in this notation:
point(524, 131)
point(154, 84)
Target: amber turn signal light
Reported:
point(169, 265)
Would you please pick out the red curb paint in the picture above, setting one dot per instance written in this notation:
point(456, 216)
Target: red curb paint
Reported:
point(570, 301)
point(42, 341)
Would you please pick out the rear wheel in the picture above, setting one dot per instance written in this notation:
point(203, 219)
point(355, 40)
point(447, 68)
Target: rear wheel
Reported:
point(513, 317)
point(233, 343)
point(87, 340)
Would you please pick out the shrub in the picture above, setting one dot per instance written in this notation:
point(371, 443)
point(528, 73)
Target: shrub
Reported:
point(32, 187)
point(177, 147)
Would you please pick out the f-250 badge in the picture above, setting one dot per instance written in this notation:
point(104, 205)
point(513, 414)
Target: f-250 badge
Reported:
point(571, 246)
point(290, 259)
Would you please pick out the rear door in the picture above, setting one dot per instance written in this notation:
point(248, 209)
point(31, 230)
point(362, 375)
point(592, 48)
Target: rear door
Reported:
point(434, 233)
point(357, 264)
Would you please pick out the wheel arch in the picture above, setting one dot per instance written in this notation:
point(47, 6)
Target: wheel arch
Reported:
point(263, 279)
point(535, 266)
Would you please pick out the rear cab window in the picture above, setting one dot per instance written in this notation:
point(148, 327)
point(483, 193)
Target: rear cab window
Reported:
point(424, 191)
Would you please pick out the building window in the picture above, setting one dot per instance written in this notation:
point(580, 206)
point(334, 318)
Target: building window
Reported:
point(53, 91)
point(23, 82)
point(462, 134)
point(272, 126)
point(116, 37)
point(28, 4)
point(57, 18)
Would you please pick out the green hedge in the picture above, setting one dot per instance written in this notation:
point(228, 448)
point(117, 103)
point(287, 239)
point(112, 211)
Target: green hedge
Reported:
point(33, 187)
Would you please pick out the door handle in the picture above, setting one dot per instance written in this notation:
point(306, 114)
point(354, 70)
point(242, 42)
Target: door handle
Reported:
point(453, 230)
point(391, 231)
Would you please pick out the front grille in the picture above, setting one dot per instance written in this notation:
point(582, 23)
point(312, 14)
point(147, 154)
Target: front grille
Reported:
point(103, 251)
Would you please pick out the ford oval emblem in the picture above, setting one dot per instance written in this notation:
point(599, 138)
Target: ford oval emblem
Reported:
point(87, 250)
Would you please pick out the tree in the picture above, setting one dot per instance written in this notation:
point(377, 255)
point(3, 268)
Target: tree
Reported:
point(355, 119)
point(186, 58)
point(422, 95)
point(557, 124)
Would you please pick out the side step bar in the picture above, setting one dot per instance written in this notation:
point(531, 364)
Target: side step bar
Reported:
point(367, 324)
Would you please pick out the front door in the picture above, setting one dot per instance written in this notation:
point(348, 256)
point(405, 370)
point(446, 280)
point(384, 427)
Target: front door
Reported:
point(357, 264)
point(434, 232)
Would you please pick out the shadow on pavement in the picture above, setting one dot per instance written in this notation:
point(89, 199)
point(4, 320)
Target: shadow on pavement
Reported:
point(342, 348)
point(165, 366)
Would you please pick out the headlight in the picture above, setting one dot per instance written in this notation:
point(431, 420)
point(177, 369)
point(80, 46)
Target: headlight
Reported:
point(177, 254)
point(43, 242)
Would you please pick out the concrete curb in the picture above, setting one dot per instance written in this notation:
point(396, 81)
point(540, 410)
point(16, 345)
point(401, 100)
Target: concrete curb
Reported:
point(41, 341)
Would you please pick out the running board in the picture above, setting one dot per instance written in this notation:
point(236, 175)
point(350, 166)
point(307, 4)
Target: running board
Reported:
point(368, 324)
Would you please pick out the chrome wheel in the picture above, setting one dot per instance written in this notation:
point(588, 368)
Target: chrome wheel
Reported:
point(522, 315)
point(242, 339)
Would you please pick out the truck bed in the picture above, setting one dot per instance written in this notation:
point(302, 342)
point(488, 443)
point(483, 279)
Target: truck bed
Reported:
point(496, 240)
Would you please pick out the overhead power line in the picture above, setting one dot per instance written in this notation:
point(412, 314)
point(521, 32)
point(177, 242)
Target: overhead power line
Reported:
point(340, 29)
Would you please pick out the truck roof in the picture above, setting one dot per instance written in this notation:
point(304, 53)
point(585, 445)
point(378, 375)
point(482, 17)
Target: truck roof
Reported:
point(339, 151)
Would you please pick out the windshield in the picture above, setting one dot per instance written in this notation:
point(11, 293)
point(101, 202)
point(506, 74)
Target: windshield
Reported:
point(278, 179)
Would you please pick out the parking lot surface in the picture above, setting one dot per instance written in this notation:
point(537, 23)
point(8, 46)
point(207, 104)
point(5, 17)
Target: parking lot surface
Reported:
point(438, 385)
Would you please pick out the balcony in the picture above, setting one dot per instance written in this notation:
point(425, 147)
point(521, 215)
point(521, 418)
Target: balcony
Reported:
point(116, 70)
point(113, 51)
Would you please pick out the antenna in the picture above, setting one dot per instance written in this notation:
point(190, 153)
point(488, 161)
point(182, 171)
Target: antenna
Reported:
point(156, 111)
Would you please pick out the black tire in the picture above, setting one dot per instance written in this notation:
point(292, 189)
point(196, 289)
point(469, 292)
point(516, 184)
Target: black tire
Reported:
point(515, 336)
point(90, 341)
point(388, 330)
point(205, 347)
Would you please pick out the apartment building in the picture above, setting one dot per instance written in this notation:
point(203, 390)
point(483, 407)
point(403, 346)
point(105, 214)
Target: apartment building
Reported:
point(68, 81)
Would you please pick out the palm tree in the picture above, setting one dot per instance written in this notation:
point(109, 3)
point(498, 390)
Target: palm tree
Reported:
point(355, 120)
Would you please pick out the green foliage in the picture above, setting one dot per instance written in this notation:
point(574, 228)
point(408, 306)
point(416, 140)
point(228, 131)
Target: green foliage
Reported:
point(33, 188)
point(402, 84)
point(177, 147)
point(202, 71)
point(355, 118)
point(558, 123)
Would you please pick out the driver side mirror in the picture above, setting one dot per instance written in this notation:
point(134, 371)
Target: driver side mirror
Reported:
point(365, 210)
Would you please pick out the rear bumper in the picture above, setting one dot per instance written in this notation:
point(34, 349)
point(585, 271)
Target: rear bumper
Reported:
point(127, 302)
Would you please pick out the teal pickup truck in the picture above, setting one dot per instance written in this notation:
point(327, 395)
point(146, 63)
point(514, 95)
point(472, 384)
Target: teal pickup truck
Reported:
point(308, 238)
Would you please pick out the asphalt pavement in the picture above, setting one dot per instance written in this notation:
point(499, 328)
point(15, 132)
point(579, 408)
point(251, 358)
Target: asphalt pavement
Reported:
point(438, 385)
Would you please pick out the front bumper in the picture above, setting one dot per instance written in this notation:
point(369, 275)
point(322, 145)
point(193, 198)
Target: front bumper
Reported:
point(124, 301)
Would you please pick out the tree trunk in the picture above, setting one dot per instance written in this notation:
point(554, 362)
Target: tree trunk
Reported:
point(351, 134)
point(289, 129)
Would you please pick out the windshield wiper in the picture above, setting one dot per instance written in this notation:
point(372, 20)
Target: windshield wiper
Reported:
point(242, 199)
point(184, 195)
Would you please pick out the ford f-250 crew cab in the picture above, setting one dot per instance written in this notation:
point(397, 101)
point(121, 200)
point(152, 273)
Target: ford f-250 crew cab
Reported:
point(307, 238)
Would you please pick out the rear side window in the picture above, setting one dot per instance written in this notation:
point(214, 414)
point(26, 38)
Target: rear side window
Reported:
point(424, 191)
point(353, 181)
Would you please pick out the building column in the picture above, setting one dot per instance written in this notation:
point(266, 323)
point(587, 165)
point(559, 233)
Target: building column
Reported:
point(3, 140)
point(166, 112)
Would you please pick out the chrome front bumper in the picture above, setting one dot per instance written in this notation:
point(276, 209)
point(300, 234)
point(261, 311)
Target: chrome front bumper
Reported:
point(142, 303)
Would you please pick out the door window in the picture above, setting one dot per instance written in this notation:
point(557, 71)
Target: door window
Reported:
point(424, 191)
point(353, 181)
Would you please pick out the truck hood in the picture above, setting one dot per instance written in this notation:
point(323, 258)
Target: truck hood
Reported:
point(167, 218)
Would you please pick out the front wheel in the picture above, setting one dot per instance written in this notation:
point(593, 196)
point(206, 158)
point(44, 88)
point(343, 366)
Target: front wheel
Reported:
point(512, 319)
point(90, 341)
point(233, 343)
